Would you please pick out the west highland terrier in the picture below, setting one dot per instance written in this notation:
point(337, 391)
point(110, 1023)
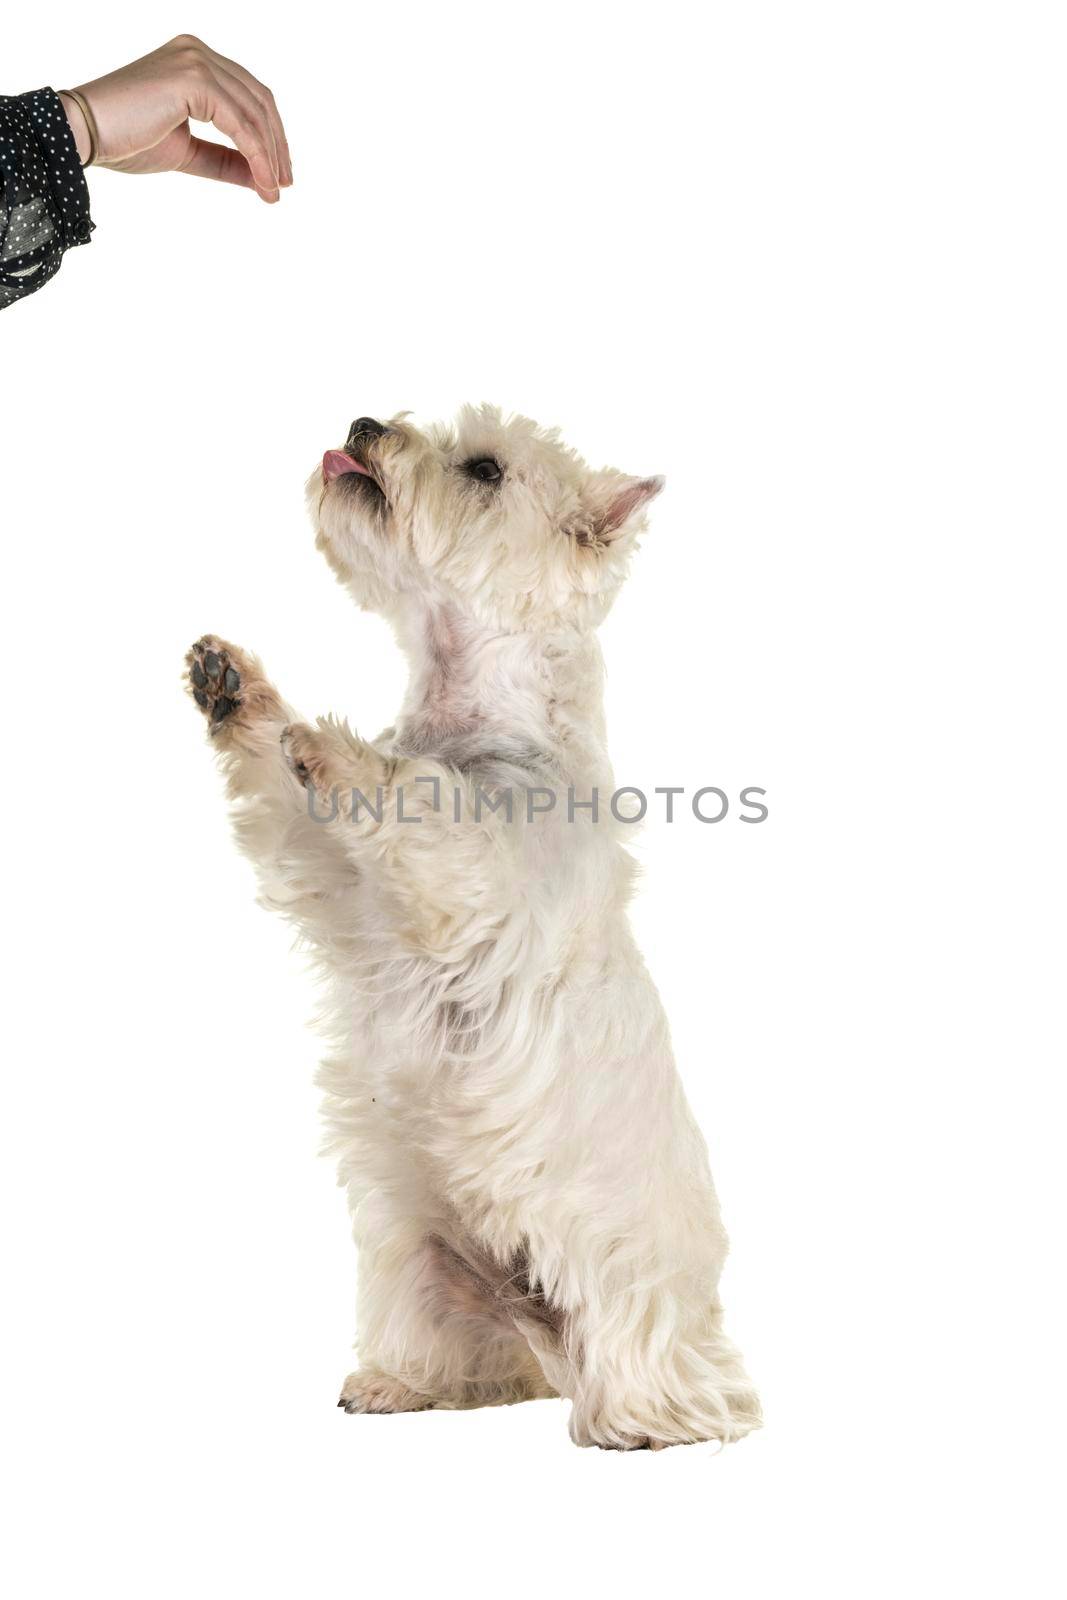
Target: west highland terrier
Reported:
point(532, 1201)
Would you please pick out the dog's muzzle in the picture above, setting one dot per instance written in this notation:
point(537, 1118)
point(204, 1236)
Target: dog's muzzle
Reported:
point(365, 428)
point(336, 463)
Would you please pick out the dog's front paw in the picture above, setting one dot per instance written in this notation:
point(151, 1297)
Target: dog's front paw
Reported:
point(215, 677)
point(327, 757)
point(300, 749)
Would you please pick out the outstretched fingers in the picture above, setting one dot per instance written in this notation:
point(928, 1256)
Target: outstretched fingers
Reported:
point(265, 99)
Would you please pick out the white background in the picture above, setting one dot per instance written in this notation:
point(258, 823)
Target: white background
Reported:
point(808, 261)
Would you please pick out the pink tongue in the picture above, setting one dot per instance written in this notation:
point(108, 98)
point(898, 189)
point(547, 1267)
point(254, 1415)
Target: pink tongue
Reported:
point(335, 463)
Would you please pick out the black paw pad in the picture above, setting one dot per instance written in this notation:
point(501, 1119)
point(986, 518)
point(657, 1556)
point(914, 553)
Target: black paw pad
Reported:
point(214, 680)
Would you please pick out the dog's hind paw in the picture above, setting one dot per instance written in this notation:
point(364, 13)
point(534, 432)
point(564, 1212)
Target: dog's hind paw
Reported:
point(367, 1391)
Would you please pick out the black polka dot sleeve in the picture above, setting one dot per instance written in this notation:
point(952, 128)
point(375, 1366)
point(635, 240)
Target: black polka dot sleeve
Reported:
point(44, 201)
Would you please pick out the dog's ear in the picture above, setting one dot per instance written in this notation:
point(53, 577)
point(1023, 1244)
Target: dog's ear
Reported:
point(611, 503)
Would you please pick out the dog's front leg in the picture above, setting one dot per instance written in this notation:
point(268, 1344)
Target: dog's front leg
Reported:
point(419, 827)
point(348, 775)
point(244, 712)
point(245, 717)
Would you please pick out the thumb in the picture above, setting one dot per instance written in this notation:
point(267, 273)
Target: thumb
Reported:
point(206, 160)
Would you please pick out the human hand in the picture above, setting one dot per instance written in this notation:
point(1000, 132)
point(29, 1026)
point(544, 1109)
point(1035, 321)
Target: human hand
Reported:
point(142, 114)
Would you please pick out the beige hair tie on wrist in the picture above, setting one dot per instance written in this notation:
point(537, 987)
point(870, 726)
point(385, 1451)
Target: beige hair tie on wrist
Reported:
point(90, 123)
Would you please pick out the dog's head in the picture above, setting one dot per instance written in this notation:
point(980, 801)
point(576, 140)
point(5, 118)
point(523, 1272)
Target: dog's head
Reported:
point(496, 517)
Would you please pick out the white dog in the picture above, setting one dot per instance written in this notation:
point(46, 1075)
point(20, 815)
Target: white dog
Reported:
point(531, 1196)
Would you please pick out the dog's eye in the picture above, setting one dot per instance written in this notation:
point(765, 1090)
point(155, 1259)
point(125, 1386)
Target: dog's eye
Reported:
point(485, 469)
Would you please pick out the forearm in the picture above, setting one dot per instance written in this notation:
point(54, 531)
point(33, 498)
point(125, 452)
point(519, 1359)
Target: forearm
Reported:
point(78, 126)
point(44, 201)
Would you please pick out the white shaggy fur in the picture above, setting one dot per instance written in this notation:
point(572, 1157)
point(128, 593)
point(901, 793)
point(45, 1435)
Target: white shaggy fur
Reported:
point(531, 1196)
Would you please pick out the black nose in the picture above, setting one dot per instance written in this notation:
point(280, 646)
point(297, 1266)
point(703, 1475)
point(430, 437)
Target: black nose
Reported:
point(366, 428)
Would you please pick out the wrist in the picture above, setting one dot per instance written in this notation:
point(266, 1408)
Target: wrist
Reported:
point(78, 126)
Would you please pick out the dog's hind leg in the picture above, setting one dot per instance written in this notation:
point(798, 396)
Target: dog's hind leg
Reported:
point(434, 1333)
